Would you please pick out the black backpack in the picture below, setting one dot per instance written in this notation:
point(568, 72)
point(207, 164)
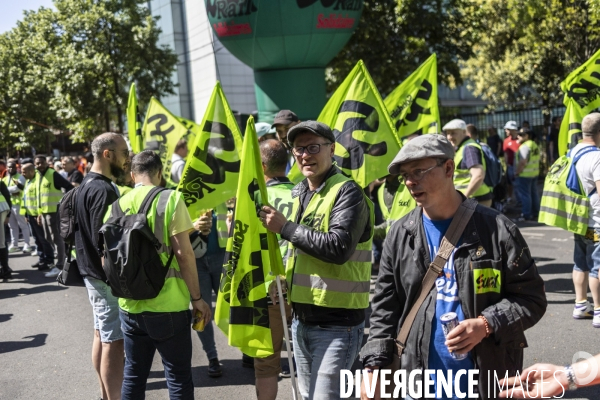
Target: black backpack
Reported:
point(132, 250)
point(67, 219)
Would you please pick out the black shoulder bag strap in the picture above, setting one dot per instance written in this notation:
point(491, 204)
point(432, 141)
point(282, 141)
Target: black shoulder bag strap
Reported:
point(447, 246)
point(159, 222)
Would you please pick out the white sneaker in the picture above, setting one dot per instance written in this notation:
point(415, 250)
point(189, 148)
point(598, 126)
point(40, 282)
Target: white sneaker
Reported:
point(583, 310)
point(13, 249)
point(53, 273)
point(596, 320)
point(27, 249)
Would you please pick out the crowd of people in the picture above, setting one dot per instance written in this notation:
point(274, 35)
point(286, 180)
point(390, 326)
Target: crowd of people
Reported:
point(429, 229)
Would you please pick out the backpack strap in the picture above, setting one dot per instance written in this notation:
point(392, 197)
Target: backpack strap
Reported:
point(147, 203)
point(573, 181)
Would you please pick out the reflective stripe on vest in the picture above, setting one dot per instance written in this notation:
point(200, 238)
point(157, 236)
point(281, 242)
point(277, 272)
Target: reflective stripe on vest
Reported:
point(323, 283)
point(14, 198)
point(222, 233)
point(532, 169)
point(47, 194)
point(462, 177)
point(174, 295)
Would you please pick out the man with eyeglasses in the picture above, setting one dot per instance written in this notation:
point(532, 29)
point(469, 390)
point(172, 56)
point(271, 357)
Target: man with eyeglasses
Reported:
point(328, 268)
point(50, 189)
point(490, 281)
point(284, 121)
point(469, 172)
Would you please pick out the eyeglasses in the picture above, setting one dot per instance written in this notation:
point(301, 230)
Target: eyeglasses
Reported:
point(418, 174)
point(310, 149)
point(124, 152)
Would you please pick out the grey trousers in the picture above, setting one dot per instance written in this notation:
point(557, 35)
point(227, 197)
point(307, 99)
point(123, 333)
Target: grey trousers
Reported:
point(52, 235)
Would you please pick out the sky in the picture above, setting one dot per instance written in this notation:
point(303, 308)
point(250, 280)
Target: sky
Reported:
point(12, 11)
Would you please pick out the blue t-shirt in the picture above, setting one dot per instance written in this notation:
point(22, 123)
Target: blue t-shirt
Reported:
point(447, 301)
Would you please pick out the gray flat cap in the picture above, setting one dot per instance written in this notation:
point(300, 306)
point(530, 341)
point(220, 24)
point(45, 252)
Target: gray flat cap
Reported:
point(316, 127)
point(425, 146)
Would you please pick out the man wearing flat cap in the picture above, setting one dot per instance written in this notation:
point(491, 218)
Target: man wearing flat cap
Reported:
point(328, 266)
point(489, 281)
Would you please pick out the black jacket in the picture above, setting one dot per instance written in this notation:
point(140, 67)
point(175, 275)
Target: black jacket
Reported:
point(490, 240)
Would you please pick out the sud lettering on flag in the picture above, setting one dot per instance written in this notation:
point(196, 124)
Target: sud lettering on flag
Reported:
point(252, 259)
point(134, 122)
point(413, 105)
point(161, 131)
point(211, 173)
point(366, 140)
point(582, 96)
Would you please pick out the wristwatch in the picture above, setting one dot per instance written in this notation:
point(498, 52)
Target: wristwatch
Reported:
point(571, 377)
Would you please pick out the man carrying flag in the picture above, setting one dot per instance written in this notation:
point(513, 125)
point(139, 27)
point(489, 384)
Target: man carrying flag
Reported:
point(330, 234)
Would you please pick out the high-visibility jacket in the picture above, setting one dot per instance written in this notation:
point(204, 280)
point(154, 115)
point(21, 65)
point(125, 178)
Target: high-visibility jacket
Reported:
point(312, 281)
point(462, 177)
point(30, 198)
point(222, 232)
point(280, 197)
point(174, 296)
point(3, 205)
point(402, 205)
point(12, 181)
point(48, 195)
point(532, 169)
point(561, 206)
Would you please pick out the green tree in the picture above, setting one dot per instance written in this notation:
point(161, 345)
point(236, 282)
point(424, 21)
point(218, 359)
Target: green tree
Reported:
point(524, 48)
point(79, 61)
point(394, 37)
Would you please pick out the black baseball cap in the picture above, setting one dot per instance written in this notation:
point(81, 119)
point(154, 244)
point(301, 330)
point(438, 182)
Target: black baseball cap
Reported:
point(285, 117)
point(316, 127)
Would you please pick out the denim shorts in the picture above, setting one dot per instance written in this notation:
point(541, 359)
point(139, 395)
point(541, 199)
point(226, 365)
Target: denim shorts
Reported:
point(106, 310)
point(586, 254)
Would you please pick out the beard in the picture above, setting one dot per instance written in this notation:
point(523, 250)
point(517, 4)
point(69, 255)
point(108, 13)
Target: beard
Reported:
point(117, 171)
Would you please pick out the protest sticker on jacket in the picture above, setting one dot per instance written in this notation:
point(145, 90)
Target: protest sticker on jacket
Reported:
point(134, 122)
point(162, 130)
point(413, 105)
point(366, 140)
point(582, 95)
point(212, 169)
point(252, 258)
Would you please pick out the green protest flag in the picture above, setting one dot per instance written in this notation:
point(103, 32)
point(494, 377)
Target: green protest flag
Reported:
point(582, 96)
point(366, 141)
point(134, 123)
point(211, 173)
point(193, 131)
point(413, 105)
point(252, 259)
point(161, 131)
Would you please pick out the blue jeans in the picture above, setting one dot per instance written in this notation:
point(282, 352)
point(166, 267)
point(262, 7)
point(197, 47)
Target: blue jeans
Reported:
point(586, 255)
point(209, 276)
point(320, 353)
point(528, 194)
point(169, 333)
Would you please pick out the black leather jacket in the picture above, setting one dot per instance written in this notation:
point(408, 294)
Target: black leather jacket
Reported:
point(490, 240)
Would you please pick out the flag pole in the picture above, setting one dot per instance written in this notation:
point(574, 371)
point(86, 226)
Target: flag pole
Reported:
point(287, 341)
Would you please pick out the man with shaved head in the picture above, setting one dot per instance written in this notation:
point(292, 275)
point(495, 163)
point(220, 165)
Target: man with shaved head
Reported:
point(96, 193)
point(586, 254)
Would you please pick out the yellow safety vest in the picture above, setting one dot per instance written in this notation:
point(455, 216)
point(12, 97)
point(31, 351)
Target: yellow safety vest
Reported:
point(312, 281)
point(402, 205)
point(174, 296)
point(462, 177)
point(30, 199)
point(14, 198)
point(532, 169)
point(280, 197)
point(48, 195)
point(222, 232)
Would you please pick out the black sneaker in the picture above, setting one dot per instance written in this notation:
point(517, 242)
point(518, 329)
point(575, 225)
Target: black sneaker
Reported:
point(44, 267)
point(37, 264)
point(214, 368)
point(247, 361)
point(285, 371)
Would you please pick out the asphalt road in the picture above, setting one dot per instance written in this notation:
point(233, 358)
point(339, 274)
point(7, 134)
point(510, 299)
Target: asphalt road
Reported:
point(46, 334)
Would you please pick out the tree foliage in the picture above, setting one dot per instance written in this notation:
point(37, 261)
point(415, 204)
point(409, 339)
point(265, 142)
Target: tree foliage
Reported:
point(394, 37)
point(71, 68)
point(524, 48)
